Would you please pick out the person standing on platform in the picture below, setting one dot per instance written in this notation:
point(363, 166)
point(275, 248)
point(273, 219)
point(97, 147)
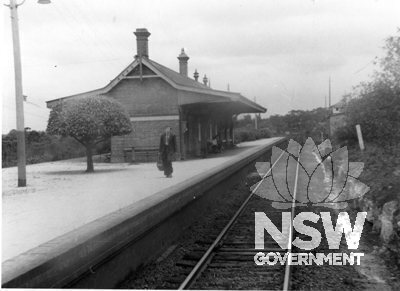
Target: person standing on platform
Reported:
point(167, 150)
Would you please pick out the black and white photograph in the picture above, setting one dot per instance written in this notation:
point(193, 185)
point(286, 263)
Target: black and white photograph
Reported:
point(201, 145)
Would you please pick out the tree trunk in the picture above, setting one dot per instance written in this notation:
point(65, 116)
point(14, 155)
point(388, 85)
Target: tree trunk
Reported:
point(89, 158)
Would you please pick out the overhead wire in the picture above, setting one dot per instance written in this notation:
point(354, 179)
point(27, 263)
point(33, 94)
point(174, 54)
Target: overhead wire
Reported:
point(29, 113)
point(365, 66)
point(79, 63)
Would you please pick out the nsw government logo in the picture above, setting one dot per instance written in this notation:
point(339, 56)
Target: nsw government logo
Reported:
point(309, 183)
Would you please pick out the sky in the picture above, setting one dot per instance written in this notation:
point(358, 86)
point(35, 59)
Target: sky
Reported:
point(280, 52)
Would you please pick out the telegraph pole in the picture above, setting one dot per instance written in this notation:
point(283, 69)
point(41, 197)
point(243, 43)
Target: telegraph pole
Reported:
point(329, 109)
point(18, 96)
point(255, 117)
point(330, 92)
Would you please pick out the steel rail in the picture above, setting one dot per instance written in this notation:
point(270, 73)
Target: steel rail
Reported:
point(286, 281)
point(206, 258)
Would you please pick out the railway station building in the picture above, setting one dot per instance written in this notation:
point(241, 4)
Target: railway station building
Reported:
point(156, 96)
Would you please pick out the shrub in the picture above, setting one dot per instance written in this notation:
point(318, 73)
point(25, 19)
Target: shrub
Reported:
point(248, 133)
point(345, 135)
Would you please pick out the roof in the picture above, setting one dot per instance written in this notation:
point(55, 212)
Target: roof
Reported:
point(175, 79)
point(178, 78)
point(339, 104)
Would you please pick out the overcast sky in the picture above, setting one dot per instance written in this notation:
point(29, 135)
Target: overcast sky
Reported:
point(281, 52)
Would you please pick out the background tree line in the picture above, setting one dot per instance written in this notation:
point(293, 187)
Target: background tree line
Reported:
point(43, 147)
point(297, 124)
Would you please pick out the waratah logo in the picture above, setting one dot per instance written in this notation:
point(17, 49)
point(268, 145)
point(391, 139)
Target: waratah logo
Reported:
point(314, 175)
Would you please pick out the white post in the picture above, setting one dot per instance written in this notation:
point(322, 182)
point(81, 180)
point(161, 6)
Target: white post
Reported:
point(18, 97)
point(360, 138)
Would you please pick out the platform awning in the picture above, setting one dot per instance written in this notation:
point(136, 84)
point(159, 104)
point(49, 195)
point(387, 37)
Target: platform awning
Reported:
point(235, 103)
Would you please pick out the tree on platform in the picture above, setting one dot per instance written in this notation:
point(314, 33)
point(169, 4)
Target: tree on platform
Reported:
point(89, 120)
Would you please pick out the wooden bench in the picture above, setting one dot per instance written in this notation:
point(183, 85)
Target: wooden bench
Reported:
point(140, 154)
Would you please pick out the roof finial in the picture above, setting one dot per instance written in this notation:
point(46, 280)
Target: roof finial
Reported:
point(196, 75)
point(205, 79)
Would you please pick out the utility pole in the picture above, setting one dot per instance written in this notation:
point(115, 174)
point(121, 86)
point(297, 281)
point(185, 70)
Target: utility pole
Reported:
point(329, 109)
point(18, 96)
point(330, 92)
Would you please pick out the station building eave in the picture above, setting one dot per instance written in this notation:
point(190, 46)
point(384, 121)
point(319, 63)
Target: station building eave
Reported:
point(200, 92)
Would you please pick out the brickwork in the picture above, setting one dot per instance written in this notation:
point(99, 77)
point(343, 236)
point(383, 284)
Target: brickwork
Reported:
point(151, 96)
point(145, 134)
point(146, 97)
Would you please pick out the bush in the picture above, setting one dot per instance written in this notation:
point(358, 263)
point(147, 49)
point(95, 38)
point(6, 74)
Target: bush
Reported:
point(346, 135)
point(263, 133)
point(248, 133)
point(377, 111)
point(242, 135)
point(41, 147)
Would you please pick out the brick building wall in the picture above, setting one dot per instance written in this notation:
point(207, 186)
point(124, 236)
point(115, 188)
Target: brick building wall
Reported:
point(145, 135)
point(152, 105)
point(151, 96)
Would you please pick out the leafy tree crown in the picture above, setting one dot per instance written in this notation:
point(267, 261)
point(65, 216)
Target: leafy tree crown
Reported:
point(89, 120)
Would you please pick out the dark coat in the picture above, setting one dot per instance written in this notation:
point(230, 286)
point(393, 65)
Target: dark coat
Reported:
point(171, 147)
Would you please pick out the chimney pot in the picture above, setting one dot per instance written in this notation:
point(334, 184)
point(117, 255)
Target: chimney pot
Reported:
point(142, 37)
point(196, 75)
point(183, 63)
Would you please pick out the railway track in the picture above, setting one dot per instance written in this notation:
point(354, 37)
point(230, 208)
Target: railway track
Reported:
point(227, 262)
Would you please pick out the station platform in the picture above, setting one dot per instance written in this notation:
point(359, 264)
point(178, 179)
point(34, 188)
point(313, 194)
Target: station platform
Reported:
point(63, 208)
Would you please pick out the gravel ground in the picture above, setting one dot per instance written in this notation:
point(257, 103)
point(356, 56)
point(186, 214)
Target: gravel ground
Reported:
point(376, 271)
point(373, 273)
point(163, 273)
point(379, 268)
point(327, 277)
point(157, 274)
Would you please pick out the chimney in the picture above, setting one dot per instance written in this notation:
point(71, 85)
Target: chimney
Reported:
point(183, 63)
point(142, 36)
point(205, 80)
point(196, 75)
